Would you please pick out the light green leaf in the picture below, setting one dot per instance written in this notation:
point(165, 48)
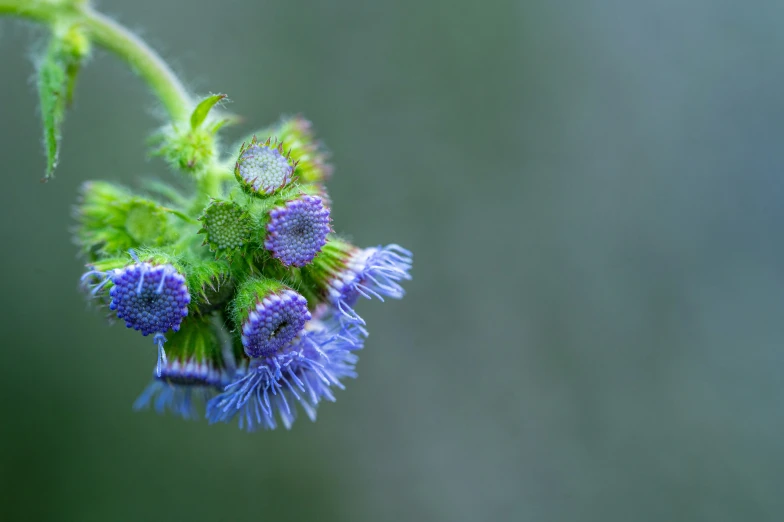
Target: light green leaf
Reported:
point(53, 91)
point(203, 108)
point(57, 72)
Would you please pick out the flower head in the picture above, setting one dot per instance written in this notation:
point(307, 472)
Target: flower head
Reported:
point(373, 272)
point(269, 314)
point(150, 298)
point(297, 230)
point(227, 226)
point(303, 372)
point(262, 168)
point(344, 273)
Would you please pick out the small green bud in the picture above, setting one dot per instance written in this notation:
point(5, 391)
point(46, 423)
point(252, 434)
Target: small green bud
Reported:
point(186, 148)
point(113, 220)
point(192, 147)
point(228, 227)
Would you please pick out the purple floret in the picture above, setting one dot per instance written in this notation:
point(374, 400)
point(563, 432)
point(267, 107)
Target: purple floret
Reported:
point(274, 321)
point(149, 298)
point(297, 231)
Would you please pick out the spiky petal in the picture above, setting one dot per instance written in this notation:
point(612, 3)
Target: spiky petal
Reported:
point(304, 372)
point(371, 272)
point(176, 399)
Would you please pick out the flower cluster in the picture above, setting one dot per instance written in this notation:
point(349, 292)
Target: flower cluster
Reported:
point(258, 320)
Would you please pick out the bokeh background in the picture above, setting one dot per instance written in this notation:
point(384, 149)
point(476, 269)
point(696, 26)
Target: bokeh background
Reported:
point(592, 190)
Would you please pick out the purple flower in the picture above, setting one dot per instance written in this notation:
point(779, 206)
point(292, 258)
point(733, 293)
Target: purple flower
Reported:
point(297, 230)
point(369, 272)
point(274, 321)
point(303, 372)
point(149, 298)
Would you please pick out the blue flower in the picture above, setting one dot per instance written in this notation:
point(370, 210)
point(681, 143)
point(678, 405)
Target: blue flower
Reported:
point(149, 298)
point(297, 230)
point(369, 272)
point(274, 321)
point(303, 372)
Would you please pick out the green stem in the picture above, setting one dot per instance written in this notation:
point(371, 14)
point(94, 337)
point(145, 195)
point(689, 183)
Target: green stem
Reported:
point(117, 39)
point(143, 60)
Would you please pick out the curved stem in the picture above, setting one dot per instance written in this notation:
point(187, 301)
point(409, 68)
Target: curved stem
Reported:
point(143, 60)
point(117, 39)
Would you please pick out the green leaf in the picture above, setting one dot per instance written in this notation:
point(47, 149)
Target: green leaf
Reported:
point(57, 73)
point(53, 91)
point(203, 108)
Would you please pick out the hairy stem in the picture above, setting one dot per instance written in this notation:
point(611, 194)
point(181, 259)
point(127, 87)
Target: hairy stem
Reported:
point(115, 38)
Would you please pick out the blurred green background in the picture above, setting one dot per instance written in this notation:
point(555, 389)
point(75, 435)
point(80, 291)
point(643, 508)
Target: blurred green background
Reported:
point(593, 193)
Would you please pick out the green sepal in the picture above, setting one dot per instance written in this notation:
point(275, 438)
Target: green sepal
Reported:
point(195, 341)
point(57, 73)
point(332, 259)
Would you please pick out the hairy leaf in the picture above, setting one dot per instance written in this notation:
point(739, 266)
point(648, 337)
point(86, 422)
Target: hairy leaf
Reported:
point(57, 73)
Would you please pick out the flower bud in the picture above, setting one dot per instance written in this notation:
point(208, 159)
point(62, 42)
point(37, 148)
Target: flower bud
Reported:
point(297, 136)
point(227, 227)
point(297, 230)
point(263, 168)
point(112, 220)
point(186, 148)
